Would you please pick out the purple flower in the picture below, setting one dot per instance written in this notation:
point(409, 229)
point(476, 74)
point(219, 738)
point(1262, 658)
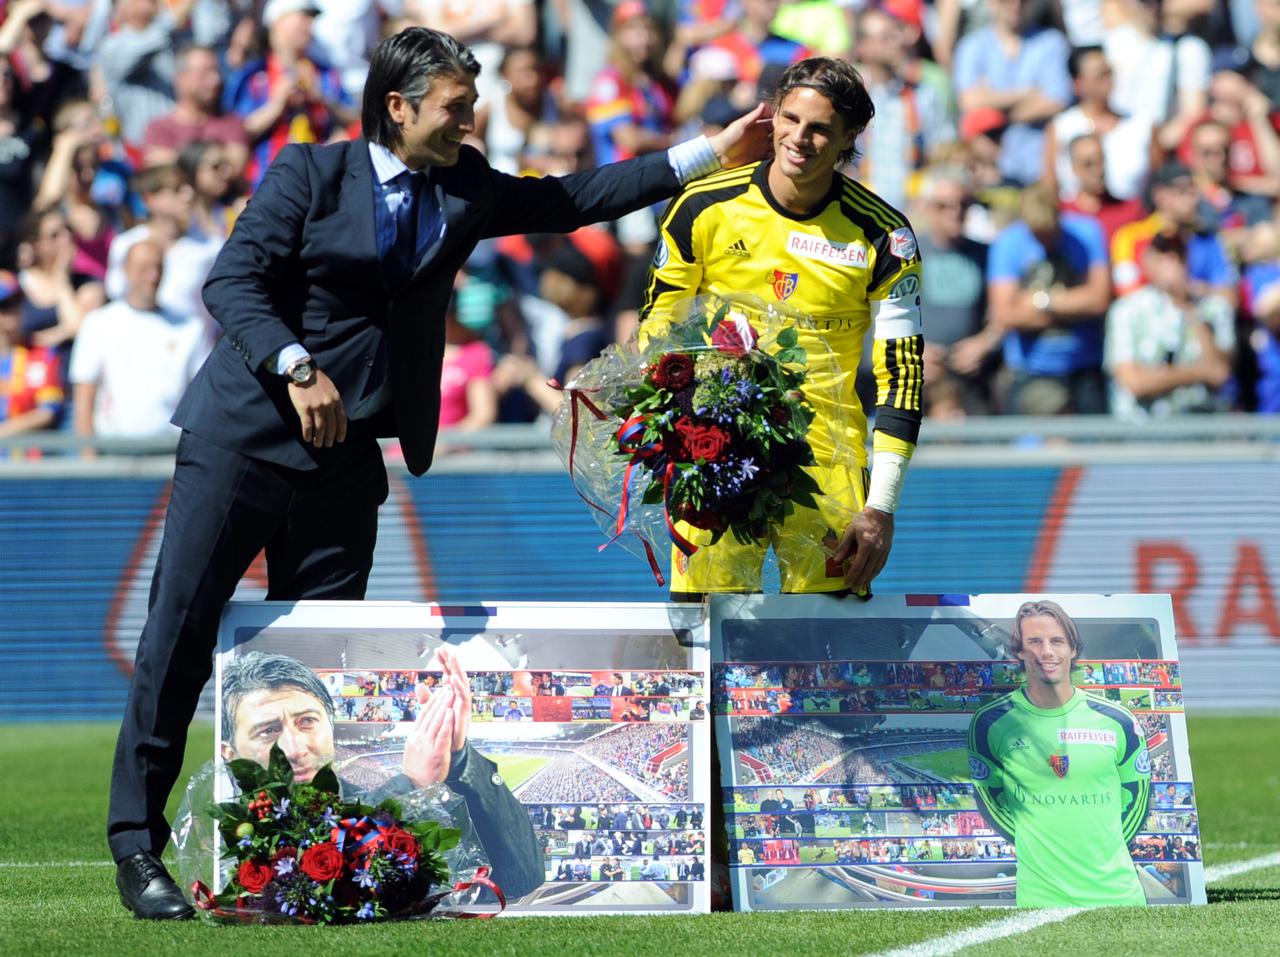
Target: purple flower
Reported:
point(282, 808)
point(285, 866)
point(365, 879)
point(366, 911)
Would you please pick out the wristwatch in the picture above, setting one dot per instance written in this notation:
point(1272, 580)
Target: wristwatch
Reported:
point(1041, 299)
point(301, 371)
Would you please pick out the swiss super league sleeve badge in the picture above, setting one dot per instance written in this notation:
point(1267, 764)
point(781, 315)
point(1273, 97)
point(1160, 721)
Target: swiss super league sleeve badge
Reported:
point(902, 243)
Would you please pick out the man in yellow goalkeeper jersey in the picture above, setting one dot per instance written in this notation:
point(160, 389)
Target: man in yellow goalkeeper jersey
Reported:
point(794, 230)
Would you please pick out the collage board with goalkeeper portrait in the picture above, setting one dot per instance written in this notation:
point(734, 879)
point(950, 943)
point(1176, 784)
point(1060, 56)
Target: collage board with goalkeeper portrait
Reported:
point(573, 741)
point(953, 750)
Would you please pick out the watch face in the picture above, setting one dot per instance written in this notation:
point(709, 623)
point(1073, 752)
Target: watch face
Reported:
point(301, 372)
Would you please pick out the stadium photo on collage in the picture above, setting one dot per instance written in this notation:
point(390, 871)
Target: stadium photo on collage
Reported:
point(902, 759)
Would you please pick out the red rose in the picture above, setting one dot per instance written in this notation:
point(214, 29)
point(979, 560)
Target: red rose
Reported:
point(322, 862)
point(675, 371)
point(701, 519)
point(701, 441)
point(401, 842)
point(254, 876)
point(734, 336)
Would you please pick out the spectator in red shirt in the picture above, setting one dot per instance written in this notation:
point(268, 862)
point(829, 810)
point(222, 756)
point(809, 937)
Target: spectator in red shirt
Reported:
point(1220, 203)
point(197, 84)
point(1092, 198)
point(1253, 154)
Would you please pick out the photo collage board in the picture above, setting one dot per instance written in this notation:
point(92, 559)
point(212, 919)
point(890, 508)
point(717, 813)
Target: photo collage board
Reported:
point(843, 735)
point(596, 718)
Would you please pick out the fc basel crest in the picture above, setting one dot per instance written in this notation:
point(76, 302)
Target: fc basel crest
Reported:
point(784, 283)
point(1059, 763)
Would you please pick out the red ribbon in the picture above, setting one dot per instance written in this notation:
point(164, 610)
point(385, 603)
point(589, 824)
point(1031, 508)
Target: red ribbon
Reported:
point(481, 879)
point(576, 396)
point(203, 896)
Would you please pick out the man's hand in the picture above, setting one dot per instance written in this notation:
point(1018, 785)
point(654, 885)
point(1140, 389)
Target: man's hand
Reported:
point(455, 679)
point(428, 750)
point(746, 139)
point(320, 410)
point(864, 548)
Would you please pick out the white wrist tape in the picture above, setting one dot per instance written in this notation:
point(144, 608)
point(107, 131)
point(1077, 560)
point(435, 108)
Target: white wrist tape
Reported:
point(693, 159)
point(888, 469)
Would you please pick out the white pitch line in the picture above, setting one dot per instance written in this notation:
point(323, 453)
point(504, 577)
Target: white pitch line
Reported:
point(43, 864)
point(985, 933)
point(1030, 920)
point(1220, 872)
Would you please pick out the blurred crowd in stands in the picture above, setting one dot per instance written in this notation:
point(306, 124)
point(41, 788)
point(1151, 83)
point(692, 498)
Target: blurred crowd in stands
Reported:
point(1093, 184)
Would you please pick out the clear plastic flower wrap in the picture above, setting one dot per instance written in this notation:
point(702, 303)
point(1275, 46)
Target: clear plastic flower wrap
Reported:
point(721, 418)
point(256, 847)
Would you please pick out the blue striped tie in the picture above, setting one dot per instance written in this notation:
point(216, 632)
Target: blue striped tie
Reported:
point(405, 251)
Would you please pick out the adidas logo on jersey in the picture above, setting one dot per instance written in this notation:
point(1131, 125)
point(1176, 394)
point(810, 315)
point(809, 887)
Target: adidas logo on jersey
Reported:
point(738, 249)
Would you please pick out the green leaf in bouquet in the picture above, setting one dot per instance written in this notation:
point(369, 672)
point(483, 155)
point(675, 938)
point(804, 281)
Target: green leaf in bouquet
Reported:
point(391, 806)
point(326, 780)
point(229, 812)
point(788, 337)
point(804, 482)
point(804, 499)
point(249, 775)
point(229, 836)
point(227, 899)
point(792, 356)
point(279, 770)
point(652, 494)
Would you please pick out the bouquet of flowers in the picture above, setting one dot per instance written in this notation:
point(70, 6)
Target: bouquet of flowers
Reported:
point(706, 424)
point(298, 852)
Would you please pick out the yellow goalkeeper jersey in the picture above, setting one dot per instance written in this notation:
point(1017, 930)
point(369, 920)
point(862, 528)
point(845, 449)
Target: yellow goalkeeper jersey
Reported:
point(852, 264)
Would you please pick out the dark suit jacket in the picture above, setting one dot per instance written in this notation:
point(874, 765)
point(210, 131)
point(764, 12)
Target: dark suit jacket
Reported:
point(302, 265)
point(501, 823)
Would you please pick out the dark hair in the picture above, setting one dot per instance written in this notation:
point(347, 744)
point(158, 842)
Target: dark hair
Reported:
point(190, 157)
point(406, 63)
point(258, 671)
point(840, 83)
point(1169, 243)
point(510, 52)
point(29, 225)
point(152, 179)
point(1045, 609)
point(1075, 59)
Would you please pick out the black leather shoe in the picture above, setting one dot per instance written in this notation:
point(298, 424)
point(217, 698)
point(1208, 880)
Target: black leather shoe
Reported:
point(147, 889)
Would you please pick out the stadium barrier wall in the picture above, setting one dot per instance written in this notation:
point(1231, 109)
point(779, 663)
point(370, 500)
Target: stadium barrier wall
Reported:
point(76, 553)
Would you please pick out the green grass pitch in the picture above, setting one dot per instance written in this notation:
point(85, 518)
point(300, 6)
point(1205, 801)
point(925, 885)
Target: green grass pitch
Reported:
point(57, 897)
point(952, 765)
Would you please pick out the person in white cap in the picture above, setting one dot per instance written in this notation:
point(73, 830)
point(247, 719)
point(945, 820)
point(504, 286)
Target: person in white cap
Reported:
point(290, 95)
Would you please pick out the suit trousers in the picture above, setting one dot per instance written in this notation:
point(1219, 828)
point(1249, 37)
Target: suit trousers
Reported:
point(318, 527)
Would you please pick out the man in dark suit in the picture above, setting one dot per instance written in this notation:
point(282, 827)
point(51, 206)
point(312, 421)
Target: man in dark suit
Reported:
point(331, 292)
